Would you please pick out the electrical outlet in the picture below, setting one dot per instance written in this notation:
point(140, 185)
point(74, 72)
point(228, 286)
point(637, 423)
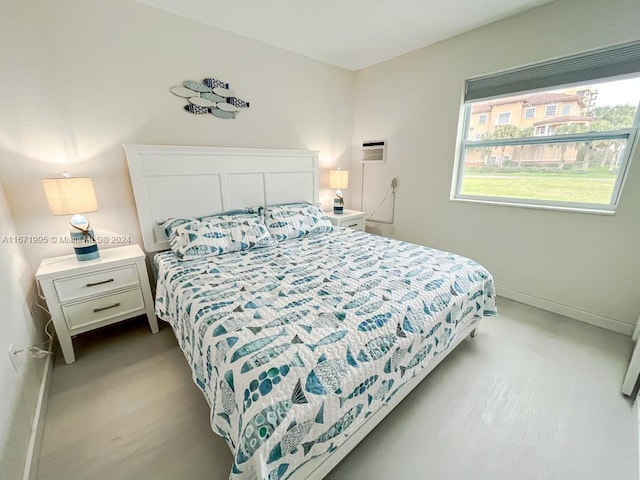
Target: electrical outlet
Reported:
point(12, 357)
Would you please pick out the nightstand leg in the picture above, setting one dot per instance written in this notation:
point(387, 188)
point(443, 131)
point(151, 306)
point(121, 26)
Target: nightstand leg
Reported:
point(153, 321)
point(148, 298)
point(67, 348)
point(151, 316)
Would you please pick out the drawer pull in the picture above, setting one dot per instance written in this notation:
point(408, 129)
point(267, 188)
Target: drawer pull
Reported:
point(96, 310)
point(353, 225)
point(99, 283)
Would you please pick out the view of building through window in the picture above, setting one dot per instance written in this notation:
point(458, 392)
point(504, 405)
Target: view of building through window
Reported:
point(562, 145)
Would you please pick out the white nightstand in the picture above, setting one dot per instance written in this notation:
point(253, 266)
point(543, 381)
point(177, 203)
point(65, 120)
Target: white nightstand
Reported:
point(349, 219)
point(83, 296)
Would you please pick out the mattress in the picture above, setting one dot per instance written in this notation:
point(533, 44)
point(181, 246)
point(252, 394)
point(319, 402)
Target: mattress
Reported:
point(294, 346)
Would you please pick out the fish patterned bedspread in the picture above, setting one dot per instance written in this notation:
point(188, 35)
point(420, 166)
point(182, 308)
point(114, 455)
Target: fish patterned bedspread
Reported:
point(295, 345)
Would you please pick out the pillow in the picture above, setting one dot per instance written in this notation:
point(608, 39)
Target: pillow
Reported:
point(170, 223)
point(295, 220)
point(219, 234)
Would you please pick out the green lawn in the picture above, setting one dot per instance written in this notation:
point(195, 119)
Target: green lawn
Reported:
point(541, 186)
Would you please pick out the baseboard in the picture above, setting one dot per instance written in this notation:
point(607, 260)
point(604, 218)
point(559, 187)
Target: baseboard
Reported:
point(635, 401)
point(37, 428)
point(567, 311)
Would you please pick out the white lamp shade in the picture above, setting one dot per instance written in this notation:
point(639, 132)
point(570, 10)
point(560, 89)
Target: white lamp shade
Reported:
point(338, 179)
point(68, 196)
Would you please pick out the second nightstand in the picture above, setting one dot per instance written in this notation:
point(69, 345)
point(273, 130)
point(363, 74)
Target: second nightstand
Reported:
point(349, 219)
point(83, 296)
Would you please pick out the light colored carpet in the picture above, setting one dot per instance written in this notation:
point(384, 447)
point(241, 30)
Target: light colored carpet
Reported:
point(534, 396)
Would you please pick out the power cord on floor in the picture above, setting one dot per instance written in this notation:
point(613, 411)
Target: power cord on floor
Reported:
point(36, 350)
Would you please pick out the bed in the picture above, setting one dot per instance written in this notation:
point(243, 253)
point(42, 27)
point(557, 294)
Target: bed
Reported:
point(301, 347)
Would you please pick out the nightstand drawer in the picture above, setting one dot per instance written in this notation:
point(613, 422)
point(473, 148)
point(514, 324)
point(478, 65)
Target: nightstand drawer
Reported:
point(103, 308)
point(354, 224)
point(94, 283)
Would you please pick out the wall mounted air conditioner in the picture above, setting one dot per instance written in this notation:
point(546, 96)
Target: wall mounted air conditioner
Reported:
point(374, 152)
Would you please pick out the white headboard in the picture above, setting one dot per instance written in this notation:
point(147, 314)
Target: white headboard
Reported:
point(175, 181)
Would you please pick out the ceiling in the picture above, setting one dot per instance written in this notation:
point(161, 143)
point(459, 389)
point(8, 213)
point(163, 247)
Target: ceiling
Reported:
point(351, 34)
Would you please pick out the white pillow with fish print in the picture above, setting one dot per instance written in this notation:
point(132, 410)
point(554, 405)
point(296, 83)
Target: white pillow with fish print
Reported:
point(295, 220)
point(219, 235)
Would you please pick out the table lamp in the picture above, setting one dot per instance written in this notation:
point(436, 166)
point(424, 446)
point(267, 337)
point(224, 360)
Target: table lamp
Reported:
point(338, 179)
point(73, 196)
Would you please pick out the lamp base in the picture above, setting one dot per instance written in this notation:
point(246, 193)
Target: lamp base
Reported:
point(338, 209)
point(83, 239)
point(89, 252)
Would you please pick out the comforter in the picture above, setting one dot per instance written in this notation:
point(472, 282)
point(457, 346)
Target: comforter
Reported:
point(295, 346)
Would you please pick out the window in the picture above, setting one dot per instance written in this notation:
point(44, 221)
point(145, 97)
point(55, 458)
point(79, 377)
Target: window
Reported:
point(576, 164)
point(482, 119)
point(530, 112)
point(503, 118)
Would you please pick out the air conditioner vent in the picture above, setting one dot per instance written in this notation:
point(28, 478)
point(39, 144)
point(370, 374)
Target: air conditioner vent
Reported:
point(374, 151)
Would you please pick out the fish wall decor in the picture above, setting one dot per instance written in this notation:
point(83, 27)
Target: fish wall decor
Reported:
point(211, 96)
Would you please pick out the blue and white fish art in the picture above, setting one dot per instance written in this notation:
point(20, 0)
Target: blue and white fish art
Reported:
point(477, 294)
point(256, 345)
point(413, 321)
point(417, 359)
point(433, 330)
point(291, 440)
point(228, 396)
point(262, 425)
point(213, 83)
point(381, 393)
point(440, 302)
point(223, 347)
point(278, 224)
point(304, 288)
point(358, 302)
point(278, 473)
point(289, 318)
point(434, 284)
point(371, 284)
point(329, 339)
point(371, 307)
point(298, 303)
point(445, 337)
point(360, 389)
point(263, 384)
point(214, 235)
point(266, 355)
point(329, 320)
point(377, 348)
point(336, 429)
point(372, 323)
point(326, 376)
point(232, 324)
point(396, 357)
point(454, 315)
point(208, 321)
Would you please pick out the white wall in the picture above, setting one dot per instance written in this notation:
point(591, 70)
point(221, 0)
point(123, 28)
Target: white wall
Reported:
point(585, 265)
point(19, 388)
point(82, 77)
